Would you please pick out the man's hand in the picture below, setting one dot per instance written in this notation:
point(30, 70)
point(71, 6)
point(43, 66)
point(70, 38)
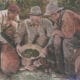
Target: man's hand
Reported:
point(57, 32)
point(19, 49)
point(43, 52)
point(14, 24)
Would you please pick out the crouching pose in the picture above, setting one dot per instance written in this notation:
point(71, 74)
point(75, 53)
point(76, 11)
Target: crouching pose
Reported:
point(35, 30)
point(10, 61)
point(68, 29)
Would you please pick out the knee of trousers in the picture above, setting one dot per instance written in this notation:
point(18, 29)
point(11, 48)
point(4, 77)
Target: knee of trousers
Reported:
point(57, 41)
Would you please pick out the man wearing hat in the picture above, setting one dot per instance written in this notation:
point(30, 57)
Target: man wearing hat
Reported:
point(66, 26)
point(35, 30)
point(10, 18)
point(8, 28)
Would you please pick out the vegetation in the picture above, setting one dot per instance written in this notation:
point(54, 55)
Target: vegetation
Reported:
point(30, 53)
point(70, 4)
point(25, 5)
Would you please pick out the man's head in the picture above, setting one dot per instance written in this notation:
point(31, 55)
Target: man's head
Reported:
point(52, 11)
point(35, 14)
point(13, 11)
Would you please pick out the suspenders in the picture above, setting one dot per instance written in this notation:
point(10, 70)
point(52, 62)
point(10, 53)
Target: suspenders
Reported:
point(59, 22)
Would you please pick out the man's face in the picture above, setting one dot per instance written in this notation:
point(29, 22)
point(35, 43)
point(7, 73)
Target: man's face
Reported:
point(35, 19)
point(54, 17)
point(12, 16)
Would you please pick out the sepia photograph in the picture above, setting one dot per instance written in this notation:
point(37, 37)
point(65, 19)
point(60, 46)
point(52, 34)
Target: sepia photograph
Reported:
point(39, 39)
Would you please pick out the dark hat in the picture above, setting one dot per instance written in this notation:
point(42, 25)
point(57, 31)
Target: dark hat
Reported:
point(13, 8)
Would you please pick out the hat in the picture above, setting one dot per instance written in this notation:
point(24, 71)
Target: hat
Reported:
point(52, 8)
point(13, 8)
point(36, 11)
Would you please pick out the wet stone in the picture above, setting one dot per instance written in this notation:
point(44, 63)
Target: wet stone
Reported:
point(26, 75)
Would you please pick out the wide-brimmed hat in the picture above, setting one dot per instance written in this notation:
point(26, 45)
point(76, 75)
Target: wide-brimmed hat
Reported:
point(52, 8)
point(36, 11)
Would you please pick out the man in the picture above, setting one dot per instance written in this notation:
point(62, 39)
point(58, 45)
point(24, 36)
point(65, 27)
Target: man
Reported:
point(57, 36)
point(67, 23)
point(10, 60)
point(35, 30)
point(10, 18)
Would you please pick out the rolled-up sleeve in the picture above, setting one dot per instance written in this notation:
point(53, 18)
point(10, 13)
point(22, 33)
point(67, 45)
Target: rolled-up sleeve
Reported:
point(20, 32)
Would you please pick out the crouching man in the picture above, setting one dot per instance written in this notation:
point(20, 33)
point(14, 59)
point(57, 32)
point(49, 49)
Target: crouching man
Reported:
point(68, 28)
point(35, 30)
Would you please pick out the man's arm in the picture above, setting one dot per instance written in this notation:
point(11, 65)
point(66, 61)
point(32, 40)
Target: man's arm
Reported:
point(49, 27)
point(21, 30)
